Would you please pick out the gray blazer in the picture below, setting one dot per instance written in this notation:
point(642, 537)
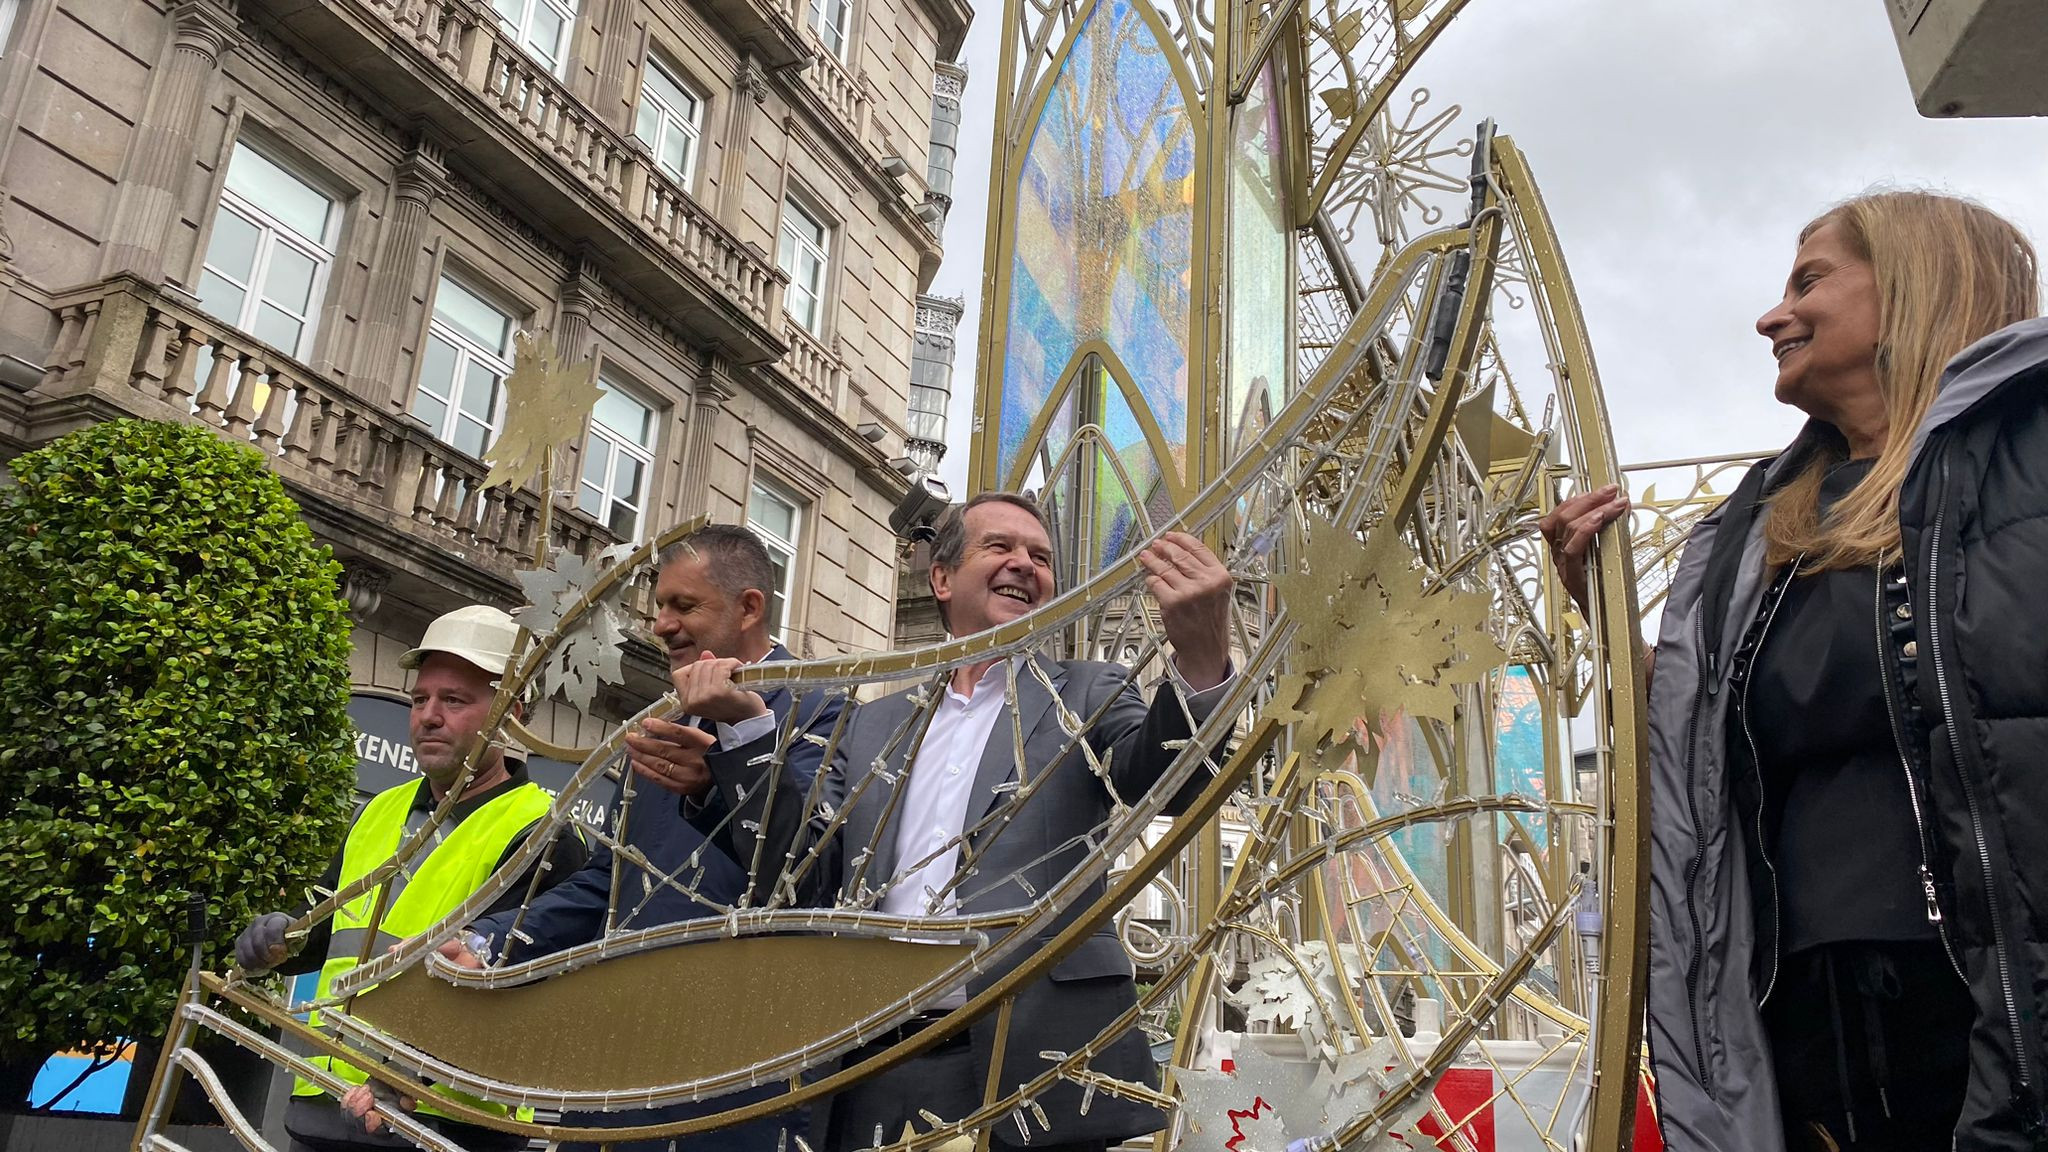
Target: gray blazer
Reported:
point(1092, 984)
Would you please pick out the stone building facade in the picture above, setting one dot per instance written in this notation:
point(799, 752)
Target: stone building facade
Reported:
point(316, 224)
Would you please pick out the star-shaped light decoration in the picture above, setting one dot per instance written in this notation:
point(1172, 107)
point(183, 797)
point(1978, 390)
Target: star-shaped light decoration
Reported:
point(1275, 993)
point(1374, 640)
point(551, 590)
point(587, 657)
point(1358, 1081)
point(546, 404)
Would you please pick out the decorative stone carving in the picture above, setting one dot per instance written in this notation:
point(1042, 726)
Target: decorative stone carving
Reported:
point(6, 238)
point(420, 179)
point(708, 395)
point(751, 80)
point(581, 295)
point(363, 585)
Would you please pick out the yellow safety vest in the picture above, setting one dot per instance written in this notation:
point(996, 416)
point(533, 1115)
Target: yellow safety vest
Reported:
point(456, 867)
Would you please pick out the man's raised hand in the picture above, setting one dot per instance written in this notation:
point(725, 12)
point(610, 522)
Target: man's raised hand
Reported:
point(363, 1101)
point(706, 690)
point(1193, 589)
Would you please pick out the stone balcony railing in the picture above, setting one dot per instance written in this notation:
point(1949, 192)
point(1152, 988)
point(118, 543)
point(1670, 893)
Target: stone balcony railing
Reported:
point(488, 103)
point(844, 96)
point(150, 354)
point(501, 111)
point(815, 367)
point(619, 170)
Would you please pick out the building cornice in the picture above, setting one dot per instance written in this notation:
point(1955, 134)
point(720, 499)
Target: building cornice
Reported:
point(951, 18)
point(820, 421)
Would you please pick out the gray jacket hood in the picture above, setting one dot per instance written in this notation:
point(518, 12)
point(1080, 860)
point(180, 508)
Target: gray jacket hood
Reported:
point(1977, 372)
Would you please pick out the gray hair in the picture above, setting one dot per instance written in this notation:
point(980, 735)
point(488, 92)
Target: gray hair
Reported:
point(735, 559)
point(949, 532)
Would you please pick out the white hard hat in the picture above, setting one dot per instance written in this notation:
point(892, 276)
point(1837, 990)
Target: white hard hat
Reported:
point(479, 634)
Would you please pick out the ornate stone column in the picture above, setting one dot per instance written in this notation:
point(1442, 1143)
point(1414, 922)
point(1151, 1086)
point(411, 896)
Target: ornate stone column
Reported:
point(714, 386)
point(579, 294)
point(161, 160)
point(614, 60)
point(949, 87)
point(421, 179)
point(750, 89)
point(931, 380)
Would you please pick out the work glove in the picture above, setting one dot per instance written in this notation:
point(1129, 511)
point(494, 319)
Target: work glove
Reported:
point(262, 945)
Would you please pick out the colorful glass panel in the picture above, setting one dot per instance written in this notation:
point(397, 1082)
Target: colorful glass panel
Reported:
point(1105, 223)
point(1118, 523)
point(1406, 776)
point(1518, 747)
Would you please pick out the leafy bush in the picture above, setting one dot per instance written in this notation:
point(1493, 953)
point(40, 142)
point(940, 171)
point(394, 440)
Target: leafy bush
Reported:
point(173, 719)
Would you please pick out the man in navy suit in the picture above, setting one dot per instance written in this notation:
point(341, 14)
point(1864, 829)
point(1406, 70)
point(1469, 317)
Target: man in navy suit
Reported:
point(712, 601)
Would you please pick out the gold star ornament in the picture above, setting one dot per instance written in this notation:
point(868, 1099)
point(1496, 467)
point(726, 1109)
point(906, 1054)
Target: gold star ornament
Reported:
point(546, 405)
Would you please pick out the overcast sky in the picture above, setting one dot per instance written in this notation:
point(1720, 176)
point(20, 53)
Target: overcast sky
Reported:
point(1680, 146)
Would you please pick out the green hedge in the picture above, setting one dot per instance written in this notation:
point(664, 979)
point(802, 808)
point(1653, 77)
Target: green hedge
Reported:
point(173, 719)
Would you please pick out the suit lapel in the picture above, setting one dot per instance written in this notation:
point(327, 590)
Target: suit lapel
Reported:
point(998, 756)
point(876, 799)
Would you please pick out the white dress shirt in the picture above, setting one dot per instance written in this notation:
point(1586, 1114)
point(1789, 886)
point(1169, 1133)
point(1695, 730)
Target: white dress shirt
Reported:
point(935, 794)
point(745, 732)
point(938, 787)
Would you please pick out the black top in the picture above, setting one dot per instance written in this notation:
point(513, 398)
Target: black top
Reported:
point(1837, 817)
point(567, 854)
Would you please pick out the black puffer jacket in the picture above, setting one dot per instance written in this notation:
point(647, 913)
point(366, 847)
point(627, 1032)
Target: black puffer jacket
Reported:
point(1968, 633)
point(1974, 515)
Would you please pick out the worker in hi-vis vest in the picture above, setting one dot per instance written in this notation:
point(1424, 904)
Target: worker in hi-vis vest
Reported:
point(458, 663)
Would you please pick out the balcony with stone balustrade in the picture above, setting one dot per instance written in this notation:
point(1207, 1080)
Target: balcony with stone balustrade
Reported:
point(844, 96)
point(372, 481)
point(493, 109)
point(813, 366)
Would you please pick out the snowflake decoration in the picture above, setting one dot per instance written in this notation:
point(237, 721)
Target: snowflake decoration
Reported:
point(1375, 640)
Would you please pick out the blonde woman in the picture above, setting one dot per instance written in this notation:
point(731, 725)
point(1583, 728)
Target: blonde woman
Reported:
point(1849, 720)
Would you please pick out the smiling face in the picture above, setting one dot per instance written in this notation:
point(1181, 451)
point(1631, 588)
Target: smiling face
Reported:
point(694, 615)
point(1824, 333)
point(1005, 570)
point(451, 699)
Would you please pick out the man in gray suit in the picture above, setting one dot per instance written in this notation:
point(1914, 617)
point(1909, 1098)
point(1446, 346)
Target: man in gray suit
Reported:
point(992, 562)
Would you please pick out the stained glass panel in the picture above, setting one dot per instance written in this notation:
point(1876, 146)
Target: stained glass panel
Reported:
point(1105, 212)
point(1127, 456)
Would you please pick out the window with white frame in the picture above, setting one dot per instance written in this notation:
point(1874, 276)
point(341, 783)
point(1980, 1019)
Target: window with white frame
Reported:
point(9, 9)
point(463, 366)
point(829, 19)
point(670, 119)
point(542, 28)
point(269, 253)
point(776, 517)
point(805, 255)
point(618, 460)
